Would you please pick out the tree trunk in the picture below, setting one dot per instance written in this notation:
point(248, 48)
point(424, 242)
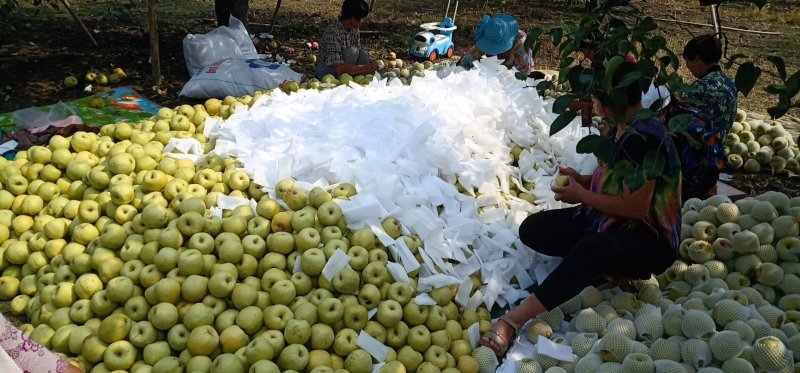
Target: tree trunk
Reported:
point(225, 8)
point(155, 59)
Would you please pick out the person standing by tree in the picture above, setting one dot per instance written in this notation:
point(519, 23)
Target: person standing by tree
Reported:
point(340, 49)
point(712, 101)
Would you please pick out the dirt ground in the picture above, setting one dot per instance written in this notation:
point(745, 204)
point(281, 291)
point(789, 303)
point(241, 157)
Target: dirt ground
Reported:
point(48, 46)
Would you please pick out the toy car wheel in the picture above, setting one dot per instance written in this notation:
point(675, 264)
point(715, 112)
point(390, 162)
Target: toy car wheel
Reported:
point(433, 56)
point(449, 52)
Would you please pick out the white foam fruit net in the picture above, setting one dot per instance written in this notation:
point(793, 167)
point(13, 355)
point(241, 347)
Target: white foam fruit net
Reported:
point(404, 148)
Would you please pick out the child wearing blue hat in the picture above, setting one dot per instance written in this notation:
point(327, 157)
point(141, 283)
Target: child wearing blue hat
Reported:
point(501, 36)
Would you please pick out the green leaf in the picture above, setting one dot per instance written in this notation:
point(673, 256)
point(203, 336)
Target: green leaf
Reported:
point(732, 59)
point(777, 61)
point(568, 26)
point(520, 76)
point(567, 49)
point(648, 69)
point(746, 77)
point(605, 150)
point(543, 86)
point(562, 103)
point(589, 143)
point(635, 179)
point(793, 84)
point(566, 62)
point(588, 78)
point(778, 111)
point(632, 176)
point(611, 66)
point(618, 102)
point(556, 33)
point(564, 74)
point(562, 121)
point(624, 46)
point(629, 78)
point(680, 123)
point(535, 50)
point(641, 114)
point(533, 38)
point(653, 164)
point(776, 89)
point(655, 43)
point(647, 24)
point(601, 146)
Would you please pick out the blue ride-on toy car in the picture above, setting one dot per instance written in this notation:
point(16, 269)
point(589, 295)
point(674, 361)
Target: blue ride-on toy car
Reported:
point(430, 46)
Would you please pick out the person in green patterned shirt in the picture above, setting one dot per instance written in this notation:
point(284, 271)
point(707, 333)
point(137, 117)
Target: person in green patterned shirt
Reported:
point(714, 93)
point(712, 101)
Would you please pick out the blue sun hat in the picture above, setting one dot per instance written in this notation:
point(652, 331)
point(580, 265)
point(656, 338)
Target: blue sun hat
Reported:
point(496, 35)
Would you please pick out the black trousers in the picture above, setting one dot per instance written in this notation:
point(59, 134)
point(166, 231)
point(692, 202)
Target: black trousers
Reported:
point(634, 253)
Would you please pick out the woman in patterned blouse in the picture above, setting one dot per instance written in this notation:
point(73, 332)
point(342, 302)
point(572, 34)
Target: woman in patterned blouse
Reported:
point(617, 228)
point(340, 49)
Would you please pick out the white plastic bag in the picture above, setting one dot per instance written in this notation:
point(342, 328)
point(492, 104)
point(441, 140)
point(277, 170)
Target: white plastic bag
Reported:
point(36, 120)
point(230, 41)
point(237, 77)
point(654, 94)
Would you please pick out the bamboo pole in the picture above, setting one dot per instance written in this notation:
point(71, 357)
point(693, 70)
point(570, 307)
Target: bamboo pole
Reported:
point(723, 27)
point(155, 61)
point(75, 17)
point(717, 22)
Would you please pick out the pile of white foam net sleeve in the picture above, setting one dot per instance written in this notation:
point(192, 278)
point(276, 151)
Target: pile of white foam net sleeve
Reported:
point(404, 148)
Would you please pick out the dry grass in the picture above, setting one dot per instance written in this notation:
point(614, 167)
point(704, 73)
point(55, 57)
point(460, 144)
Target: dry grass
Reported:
point(787, 16)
